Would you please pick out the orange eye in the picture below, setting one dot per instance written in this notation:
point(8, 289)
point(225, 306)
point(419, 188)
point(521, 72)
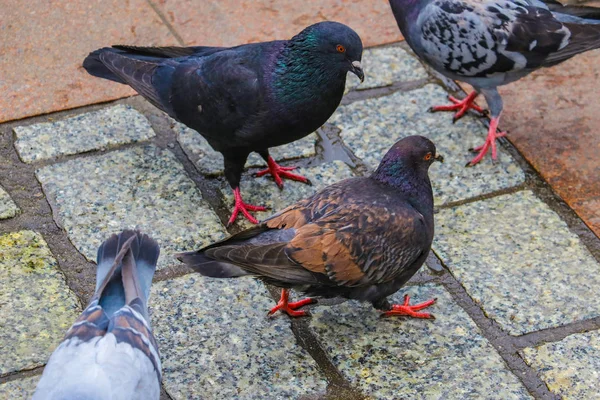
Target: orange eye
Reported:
point(340, 48)
point(427, 157)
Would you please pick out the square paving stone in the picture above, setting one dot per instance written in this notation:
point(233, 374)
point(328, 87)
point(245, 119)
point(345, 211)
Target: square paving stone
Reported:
point(397, 358)
point(90, 131)
point(36, 305)
point(142, 187)
point(386, 65)
point(571, 367)
point(217, 342)
point(8, 208)
point(372, 126)
point(264, 192)
point(20, 388)
point(210, 162)
point(519, 261)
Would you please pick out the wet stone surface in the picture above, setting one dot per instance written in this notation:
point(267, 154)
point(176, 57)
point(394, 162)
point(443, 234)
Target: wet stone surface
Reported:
point(95, 130)
point(370, 127)
point(19, 389)
point(385, 65)
point(571, 367)
point(519, 261)
point(264, 192)
point(216, 342)
point(8, 208)
point(142, 187)
point(395, 358)
point(210, 162)
point(36, 305)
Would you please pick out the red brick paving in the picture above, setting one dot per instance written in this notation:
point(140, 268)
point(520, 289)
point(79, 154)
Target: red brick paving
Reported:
point(231, 22)
point(553, 116)
point(44, 42)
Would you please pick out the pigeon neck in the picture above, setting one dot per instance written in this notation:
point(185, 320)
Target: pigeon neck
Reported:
point(414, 183)
point(406, 13)
point(301, 74)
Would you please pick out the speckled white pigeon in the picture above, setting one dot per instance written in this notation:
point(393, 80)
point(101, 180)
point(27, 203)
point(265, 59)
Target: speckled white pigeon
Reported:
point(488, 43)
point(110, 353)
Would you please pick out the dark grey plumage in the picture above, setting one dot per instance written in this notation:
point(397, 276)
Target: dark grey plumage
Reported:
point(361, 238)
point(488, 43)
point(110, 352)
point(245, 98)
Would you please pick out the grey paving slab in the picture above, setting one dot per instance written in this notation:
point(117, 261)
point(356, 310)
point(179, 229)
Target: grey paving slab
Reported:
point(386, 65)
point(210, 162)
point(36, 305)
point(264, 192)
point(372, 126)
point(19, 389)
point(394, 358)
point(519, 261)
point(571, 367)
point(95, 130)
point(216, 342)
point(8, 208)
point(142, 187)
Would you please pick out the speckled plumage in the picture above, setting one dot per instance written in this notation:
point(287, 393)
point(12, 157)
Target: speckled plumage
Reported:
point(361, 238)
point(488, 43)
point(245, 98)
point(110, 352)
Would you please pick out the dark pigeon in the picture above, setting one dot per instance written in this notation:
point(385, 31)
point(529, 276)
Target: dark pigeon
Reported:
point(489, 43)
point(245, 98)
point(361, 238)
point(110, 352)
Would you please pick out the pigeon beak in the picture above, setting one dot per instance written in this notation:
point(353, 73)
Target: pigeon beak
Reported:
point(357, 70)
point(439, 157)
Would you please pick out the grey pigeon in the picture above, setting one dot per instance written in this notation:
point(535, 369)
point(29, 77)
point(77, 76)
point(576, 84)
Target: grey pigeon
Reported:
point(109, 352)
point(245, 98)
point(489, 43)
point(361, 238)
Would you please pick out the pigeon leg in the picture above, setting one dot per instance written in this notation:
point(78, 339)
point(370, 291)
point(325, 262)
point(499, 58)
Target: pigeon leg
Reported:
point(410, 311)
point(460, 106)
point(278, 172)
point(242, 207)
point(290, 308)
point(490, 142)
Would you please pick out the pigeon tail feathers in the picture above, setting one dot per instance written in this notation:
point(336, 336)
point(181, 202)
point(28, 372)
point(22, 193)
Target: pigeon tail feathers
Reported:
point(126, 265)
point(207, 266)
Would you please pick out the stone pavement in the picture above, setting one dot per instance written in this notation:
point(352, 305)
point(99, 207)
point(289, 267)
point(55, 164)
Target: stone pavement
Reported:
point(514, 269)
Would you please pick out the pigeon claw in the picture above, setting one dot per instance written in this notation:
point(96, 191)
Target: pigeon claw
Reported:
point(460, 106)
point(407, 310)
point(244, 208)
point(490, 142)
point(285, 306)
point(278, 172)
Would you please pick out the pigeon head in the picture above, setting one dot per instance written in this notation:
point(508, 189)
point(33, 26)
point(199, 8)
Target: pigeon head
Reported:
point(407, 163)
point(332, 44)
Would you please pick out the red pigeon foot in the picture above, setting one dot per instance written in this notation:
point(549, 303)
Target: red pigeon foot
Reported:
point(244, 208)
point(489, 142)
point(410, 311)
point(460, 106)
point(290, 308)
point(278, 172)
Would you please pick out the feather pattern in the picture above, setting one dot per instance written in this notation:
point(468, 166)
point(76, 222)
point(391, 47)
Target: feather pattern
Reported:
point(501, 40)
point(110, 351)
point(361, 238)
